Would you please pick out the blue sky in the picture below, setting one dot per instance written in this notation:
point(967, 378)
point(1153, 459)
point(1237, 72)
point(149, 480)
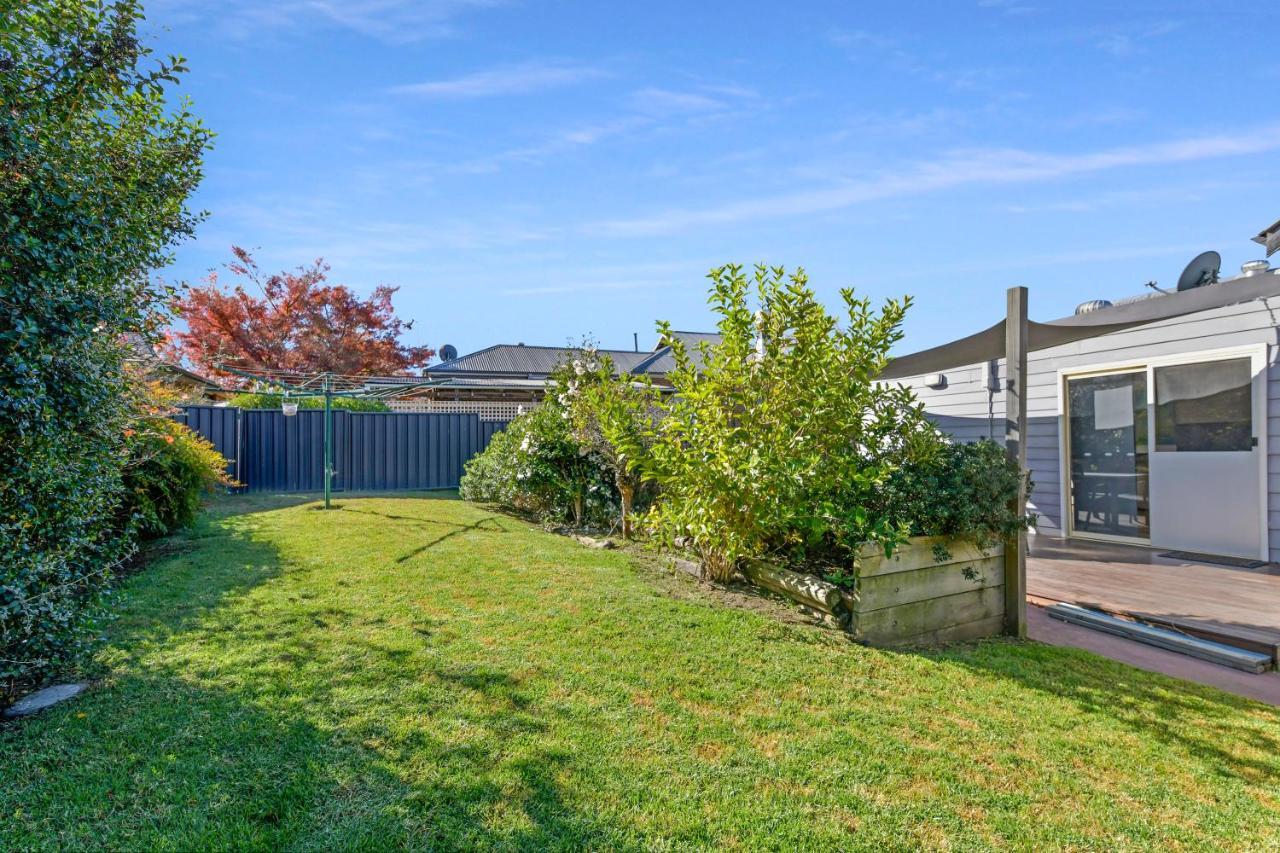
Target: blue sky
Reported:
point(540, 171)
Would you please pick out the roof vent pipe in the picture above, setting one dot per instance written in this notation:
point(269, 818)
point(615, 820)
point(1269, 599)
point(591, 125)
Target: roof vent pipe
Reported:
point(1255, 267)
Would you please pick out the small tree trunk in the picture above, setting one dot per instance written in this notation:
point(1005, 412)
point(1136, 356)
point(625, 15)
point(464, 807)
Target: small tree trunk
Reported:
point(577, 509)
point(627, 491)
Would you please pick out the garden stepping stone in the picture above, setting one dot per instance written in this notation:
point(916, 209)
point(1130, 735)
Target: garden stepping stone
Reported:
point(41, 699)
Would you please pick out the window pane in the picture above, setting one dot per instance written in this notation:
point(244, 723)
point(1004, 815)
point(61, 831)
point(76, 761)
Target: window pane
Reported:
point(1204, 407)
point(1108, 441)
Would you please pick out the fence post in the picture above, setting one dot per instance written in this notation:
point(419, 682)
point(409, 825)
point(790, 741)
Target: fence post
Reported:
point(1015, 443)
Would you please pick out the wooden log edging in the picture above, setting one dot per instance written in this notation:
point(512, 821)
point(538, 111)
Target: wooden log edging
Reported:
point(815, 593)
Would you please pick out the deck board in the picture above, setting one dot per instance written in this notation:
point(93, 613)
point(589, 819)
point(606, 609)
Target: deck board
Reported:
point(1222, 600)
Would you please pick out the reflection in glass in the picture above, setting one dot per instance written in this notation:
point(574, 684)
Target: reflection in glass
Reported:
point(1108, 444)
point(1206, 407)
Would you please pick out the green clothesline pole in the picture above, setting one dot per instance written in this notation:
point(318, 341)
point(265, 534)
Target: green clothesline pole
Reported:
point(328, 441)
point(327, 390)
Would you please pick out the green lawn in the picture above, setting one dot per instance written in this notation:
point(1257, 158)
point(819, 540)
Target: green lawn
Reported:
point(427, 673)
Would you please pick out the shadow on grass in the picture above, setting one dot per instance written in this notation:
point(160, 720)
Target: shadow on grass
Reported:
point(488, 524)
point(263, 746)
point(1202, 720)
point(159, 762)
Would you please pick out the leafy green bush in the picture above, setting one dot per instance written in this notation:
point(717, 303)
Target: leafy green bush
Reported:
point(170, 469)
point(961, 491)
point(255, 400)
point(489, 477)
point(778, 441)
point(96, 165)
point(536, 466)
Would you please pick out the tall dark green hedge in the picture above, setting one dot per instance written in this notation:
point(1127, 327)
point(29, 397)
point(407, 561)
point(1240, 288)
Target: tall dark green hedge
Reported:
point(95, 171)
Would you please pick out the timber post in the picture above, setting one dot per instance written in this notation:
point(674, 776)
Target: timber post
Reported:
point(1015, 443)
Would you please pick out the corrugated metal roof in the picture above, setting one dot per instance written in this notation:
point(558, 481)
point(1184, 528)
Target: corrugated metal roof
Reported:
point(663, 362)
point(538, 361)
point(522, 360)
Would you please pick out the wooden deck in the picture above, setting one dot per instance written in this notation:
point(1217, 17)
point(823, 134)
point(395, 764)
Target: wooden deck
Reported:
point(1238, 606)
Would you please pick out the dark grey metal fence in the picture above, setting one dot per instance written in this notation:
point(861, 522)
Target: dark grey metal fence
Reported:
point(372, 451)
point(221, 426)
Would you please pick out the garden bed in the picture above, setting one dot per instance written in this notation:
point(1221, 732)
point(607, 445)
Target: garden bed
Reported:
point(909, 598)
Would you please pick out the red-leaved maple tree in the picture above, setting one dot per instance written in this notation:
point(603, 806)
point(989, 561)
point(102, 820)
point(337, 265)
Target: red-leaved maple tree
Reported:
point(295, 321)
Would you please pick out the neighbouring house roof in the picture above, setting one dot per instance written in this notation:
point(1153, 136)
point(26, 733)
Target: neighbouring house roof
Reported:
point(144, 354)
point(528, 361)
point(537, 362)
point(523, 370)
point(195, 378)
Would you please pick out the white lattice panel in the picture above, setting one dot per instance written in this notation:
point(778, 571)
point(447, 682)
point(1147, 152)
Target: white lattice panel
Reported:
point(488, 410)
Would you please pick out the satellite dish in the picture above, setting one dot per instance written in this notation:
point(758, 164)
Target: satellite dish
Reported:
point(448, 352)
point(1202, 270)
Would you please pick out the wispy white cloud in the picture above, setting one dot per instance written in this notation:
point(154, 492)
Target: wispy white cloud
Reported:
point(1123, 43)
point(394, 21)
point(649, 108)
point(611, 278)
point(662, 102)
point(963, 168)
point(521, 79)
point(568, 139)
point(893, 53)
point(1009, 7)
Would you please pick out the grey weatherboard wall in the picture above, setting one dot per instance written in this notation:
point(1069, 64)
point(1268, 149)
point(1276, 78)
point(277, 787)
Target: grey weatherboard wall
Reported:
point(372, 451)
point(966, 410)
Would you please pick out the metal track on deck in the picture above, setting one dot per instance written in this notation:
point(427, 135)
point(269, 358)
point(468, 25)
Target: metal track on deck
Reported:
point(1218, 653)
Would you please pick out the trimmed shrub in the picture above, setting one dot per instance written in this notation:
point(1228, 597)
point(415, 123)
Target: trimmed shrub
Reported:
point(170, 470)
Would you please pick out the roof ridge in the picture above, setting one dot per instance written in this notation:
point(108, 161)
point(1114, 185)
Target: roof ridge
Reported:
point(566, 348)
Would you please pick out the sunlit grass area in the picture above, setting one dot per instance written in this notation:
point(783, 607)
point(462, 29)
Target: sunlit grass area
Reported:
point(422, 672)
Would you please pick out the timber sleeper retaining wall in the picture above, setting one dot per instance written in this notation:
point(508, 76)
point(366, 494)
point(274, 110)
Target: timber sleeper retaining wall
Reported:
point(908, 598)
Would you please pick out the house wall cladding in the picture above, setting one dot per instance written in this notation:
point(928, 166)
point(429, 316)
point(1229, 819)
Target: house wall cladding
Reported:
point(372, 451)
point(966, 410)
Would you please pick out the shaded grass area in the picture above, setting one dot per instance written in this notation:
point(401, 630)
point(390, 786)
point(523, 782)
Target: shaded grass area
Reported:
point(426, 673)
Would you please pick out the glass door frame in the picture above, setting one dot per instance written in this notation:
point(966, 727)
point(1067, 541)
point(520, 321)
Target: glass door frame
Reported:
point(1257, 353)
point(1064, 432)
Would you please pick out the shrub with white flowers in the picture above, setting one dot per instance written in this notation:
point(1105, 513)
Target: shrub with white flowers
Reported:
point(535, 466)
point(611, 416)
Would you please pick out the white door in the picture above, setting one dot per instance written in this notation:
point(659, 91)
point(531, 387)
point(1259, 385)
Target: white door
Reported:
point(1206, 469)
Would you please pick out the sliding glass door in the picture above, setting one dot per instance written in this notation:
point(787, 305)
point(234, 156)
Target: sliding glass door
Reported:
point(1108, 455)
point(1206, 468)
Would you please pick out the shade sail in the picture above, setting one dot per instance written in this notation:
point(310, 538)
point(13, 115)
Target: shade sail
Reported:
point(989, 343)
